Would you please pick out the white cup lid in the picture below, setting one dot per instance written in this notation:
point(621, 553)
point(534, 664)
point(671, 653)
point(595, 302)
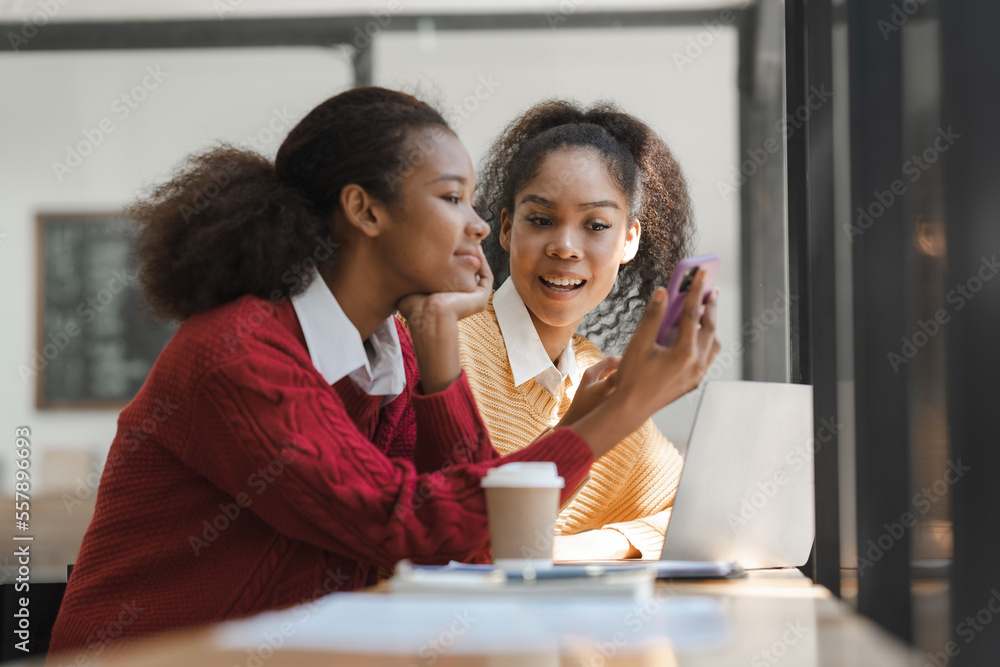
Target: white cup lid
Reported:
point(531, 474)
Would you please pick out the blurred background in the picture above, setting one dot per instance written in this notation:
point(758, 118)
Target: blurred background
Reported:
point(96, 117)
point(481, 79)
point(793, 123)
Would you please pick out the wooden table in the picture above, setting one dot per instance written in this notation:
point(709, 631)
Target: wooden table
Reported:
point(771, 618)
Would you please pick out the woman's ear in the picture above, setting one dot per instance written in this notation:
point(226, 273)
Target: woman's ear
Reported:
point(361, 210)
point(631, 241)
point(505, 223)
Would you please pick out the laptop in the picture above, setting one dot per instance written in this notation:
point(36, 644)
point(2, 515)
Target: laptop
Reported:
point(745, 498)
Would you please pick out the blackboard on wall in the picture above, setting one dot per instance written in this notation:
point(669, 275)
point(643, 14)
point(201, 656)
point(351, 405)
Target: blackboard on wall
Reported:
point(95, 345)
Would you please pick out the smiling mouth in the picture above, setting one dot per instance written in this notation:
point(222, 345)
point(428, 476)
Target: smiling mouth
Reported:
point(562, 284)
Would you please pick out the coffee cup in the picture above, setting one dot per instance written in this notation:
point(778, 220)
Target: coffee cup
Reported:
point(522, 503)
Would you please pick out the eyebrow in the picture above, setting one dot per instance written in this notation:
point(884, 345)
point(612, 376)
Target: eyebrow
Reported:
point(605, 203)
point(454, 177)
point(448, 177)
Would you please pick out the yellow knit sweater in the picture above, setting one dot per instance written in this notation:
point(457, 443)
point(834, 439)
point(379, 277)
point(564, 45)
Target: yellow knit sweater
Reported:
point(631, 488)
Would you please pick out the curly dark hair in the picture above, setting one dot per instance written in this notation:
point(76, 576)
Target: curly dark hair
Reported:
point(640, 164)
point(229, 222)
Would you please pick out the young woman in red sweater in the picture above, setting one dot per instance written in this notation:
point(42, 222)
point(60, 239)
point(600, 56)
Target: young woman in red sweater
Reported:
point(292, 438)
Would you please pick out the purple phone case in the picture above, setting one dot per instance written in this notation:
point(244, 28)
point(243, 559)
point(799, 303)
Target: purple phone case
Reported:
point(675, 305)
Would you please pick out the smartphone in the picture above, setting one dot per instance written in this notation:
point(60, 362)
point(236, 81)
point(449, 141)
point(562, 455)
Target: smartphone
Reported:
point(680, 284)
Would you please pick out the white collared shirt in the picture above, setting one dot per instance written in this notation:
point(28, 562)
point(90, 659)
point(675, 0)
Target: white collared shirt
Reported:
point(336, 348)
point(527, 356)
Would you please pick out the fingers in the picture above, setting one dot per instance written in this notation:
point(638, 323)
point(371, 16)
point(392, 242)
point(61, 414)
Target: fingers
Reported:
point(688, 330)
point(610, 368)
point(716, 348)
point(708, 344)
point(645, 333)
point(706, 334)
point(603, 368)
point(406, 305)
point(609, 371)
point(601, 371)
point(485, 272)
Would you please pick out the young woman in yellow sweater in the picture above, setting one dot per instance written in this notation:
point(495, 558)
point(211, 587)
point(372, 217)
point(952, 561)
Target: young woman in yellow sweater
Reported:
point(589, 212)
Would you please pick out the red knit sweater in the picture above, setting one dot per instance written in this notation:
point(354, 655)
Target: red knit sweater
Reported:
point(240, 481)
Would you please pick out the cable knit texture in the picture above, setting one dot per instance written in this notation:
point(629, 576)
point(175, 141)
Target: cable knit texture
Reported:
point(240, 481)
point(631, 488)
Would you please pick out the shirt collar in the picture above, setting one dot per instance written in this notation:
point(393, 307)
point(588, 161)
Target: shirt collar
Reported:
point(527, 356)
point(336, 348)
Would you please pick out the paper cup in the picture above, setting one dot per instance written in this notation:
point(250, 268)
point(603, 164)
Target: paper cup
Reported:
point(522, 502)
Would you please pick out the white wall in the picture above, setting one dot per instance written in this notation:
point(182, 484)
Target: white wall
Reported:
point(204, 96)
point(95, 10)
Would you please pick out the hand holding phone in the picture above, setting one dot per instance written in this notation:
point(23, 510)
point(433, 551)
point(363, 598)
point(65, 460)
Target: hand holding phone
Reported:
point(651, 376)
point(680, 283)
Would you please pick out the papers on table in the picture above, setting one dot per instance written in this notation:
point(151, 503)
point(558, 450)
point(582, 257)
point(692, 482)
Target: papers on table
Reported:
point(462, 624)
point(668, 569)
point(458, 579)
